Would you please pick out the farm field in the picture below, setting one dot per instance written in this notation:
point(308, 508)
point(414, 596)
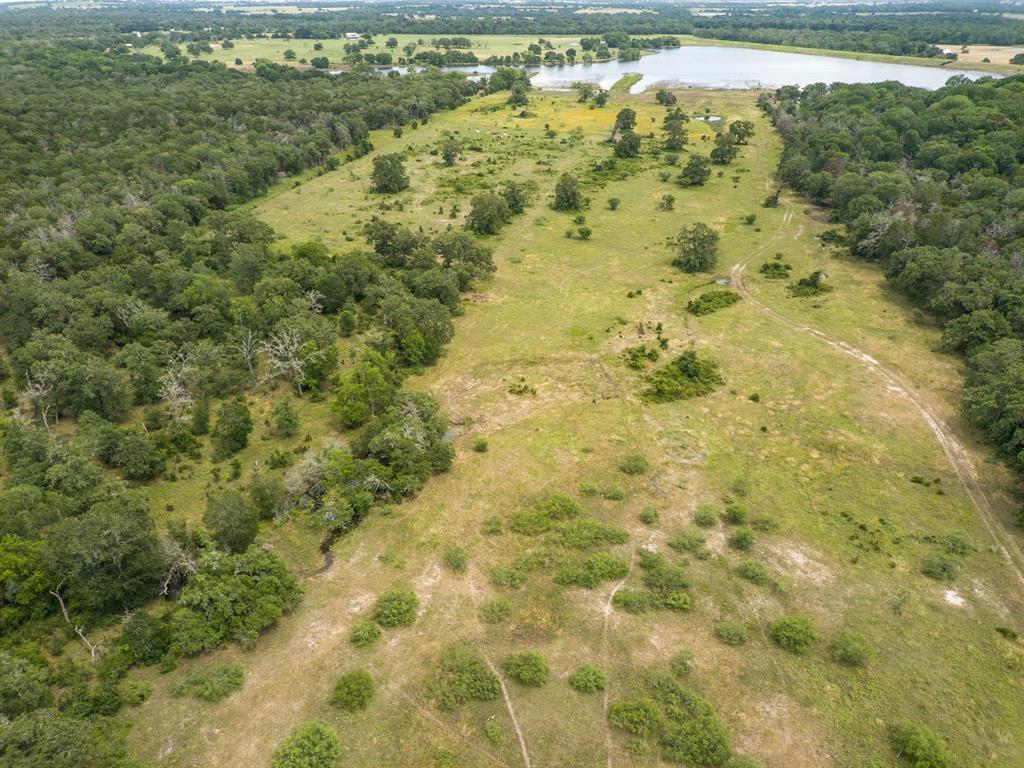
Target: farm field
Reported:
point(844, 484)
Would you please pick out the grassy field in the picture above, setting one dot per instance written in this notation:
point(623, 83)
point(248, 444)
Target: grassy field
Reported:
point(484, 46)
point(825, 450)
point(996, 54)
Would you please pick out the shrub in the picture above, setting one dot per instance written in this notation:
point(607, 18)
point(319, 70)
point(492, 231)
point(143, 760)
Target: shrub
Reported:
point(353, 691)
point(496, 611)
point(682, 664)
point(735, 514)
point(396, 608)
point(697, 740)
point(638, 716)
point(851, 650)
point(632, 601)
point(711, 301)
point(480, 445)
point(753, 571)
point(455, 558)
point(613, 493)
point(527, 668)
point(955, 544)
point(211, 683)
point(587, 679)
point(742, 540)
point(634, 464)
point(587, 533)
point(705, 516)
point(689, 375)
point(312, 745)
point(649, 516)
point(687, 541)
point(732, 632)
point(919, 747)
point(543, 515)
point(597, 568)
point(492, 526)
point(793, 633)
point(613, 203)
point(940, 566)
point(463, 676)
point(364, 633)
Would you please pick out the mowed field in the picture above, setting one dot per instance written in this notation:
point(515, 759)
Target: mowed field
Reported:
point(273, 49)
point(857, 487)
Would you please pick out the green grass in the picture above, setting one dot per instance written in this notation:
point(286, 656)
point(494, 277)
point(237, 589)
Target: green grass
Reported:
point(273, 49)
point(826, 451)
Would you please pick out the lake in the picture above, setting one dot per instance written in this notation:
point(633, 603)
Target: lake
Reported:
point(721, 67)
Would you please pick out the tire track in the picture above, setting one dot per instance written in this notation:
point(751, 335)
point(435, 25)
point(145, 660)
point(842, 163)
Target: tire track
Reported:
point(511, 711)
point(607, 611)
point(895, 382)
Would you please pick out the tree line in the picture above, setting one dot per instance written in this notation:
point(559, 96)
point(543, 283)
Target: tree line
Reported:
point(931, 186)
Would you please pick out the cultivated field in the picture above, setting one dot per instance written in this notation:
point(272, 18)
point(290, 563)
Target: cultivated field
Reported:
point(847, 482)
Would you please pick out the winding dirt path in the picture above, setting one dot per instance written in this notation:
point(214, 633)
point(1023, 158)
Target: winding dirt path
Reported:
point(896, 383)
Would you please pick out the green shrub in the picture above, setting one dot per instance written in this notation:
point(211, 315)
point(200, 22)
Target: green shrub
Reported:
point(613, 493)
point(462, 676)
point(687, 541)
point(480, 445)
point(940, 566)
point(919, 747)
point(632, 601)
point(527, 668)
point(649, 516)
point(396, 608)
point(492, 732)
point(455, 558)
point(638, 716)
point(587, 679)
point(492, 526)
point(689, 375)
point(677, 601)
point(210, 683)
point(698, 740)
point(496, 611)
point(705, 516)
point(955, 544)
point(742, 539)
point(732, 632)
point(753, 571)
point(681, 664)
point(736, 514)
point(543, 515)
point(793, 633)
point(364, 633)
point(587, 533)
point(851, 650)
point(634, 464)
point(353, 691)
point(597, 568)
point(711, 301)
point(312, 745)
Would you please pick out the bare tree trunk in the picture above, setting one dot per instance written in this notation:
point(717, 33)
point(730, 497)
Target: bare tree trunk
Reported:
point(78, 630)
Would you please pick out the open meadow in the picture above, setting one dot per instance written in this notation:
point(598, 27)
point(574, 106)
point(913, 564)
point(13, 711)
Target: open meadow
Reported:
point(810, 483)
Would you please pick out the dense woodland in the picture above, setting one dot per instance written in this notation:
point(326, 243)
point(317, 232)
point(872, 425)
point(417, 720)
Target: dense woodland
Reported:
point(137, 312)
point(851, 28)
point(931, 186)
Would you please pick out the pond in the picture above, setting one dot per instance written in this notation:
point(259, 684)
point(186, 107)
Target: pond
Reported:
point(721, 67)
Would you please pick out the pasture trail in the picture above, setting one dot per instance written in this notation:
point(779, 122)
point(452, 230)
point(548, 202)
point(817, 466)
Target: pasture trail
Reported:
point(511, 711)
point(896, 383)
